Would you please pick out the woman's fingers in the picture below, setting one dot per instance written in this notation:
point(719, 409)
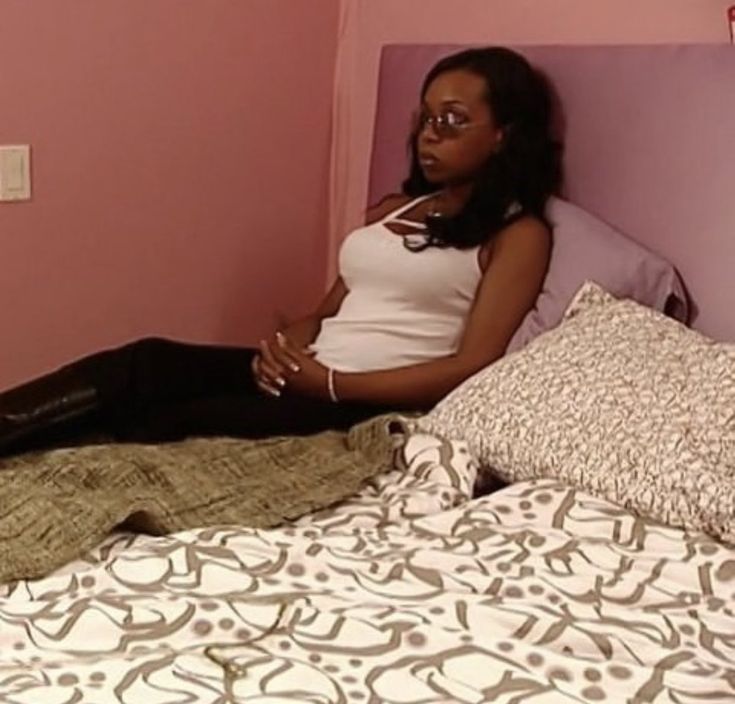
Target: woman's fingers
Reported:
point(266, 378)
point(271, 375)
point(267, 388)
point(275, 362)
point(271, 362)
point(286, 353)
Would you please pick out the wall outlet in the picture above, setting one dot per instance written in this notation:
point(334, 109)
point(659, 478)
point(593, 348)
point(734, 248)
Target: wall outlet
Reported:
point(15, 172)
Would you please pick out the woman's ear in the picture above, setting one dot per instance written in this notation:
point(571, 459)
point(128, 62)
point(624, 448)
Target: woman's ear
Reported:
point(501, 137)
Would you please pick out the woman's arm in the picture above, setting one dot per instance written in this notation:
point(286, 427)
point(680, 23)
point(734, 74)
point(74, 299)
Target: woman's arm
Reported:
point(270, 372)
point(507, 292)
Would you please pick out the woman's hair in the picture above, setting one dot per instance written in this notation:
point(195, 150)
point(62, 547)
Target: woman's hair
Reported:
point(524, 171)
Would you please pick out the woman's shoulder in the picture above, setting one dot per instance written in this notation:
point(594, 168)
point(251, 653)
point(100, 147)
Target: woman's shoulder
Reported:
point(527, 236)
point(385, 206)
point(527, 233)
point(526, 225)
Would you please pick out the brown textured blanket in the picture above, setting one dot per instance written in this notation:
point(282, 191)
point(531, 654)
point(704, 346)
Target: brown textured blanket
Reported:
point(55, 505)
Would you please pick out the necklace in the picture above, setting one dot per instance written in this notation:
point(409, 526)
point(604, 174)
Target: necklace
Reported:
point(435, 207)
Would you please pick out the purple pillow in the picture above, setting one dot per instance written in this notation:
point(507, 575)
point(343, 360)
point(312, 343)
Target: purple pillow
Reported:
point(587, 249)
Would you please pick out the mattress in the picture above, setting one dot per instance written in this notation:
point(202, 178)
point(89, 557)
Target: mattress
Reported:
point(410, 592)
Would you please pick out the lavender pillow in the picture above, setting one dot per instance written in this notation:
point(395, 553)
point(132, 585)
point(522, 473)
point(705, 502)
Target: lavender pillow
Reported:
point(587, 249)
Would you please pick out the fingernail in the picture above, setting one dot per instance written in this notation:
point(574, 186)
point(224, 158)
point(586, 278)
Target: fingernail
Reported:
point(295, 368)
point(280, 381)
point(276, 393)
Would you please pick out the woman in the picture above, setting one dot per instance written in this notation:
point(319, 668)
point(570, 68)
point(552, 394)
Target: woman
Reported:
point(429, 292)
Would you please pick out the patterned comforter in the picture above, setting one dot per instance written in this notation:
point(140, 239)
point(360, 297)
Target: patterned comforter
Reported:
point(408, 593)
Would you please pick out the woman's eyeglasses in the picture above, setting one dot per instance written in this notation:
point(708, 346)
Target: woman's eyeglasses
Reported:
point(446, 125)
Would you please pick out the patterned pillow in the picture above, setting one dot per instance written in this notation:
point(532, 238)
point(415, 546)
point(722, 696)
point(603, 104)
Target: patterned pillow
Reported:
point(619, 401)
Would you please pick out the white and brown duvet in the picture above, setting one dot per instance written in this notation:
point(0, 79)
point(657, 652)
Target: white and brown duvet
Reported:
point(408, 593)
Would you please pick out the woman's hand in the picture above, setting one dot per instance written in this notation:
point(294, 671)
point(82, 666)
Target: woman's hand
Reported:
point(272, 375)
point(304, 375)
point(276, 364)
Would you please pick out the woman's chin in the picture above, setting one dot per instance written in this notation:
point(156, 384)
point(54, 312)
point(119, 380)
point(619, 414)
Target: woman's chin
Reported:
point(433, 176)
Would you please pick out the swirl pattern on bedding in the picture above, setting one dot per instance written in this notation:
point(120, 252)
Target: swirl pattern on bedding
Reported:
point(408, 593)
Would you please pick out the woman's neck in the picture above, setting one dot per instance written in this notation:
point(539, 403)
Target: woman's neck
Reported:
point(451, 199)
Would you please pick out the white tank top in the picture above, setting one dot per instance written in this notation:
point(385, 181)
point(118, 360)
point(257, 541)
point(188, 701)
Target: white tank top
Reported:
point(402, 307)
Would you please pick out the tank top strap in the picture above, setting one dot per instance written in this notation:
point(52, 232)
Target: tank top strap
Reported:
point(405, 208)
point(409, 223)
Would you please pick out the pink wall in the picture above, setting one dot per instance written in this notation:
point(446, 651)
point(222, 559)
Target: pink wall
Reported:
point(367, 25)
point(180, 160)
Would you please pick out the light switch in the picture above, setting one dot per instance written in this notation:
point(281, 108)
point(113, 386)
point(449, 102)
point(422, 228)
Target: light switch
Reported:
point(15, 172)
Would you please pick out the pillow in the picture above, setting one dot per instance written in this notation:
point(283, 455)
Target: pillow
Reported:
point(620, 401)
point(587, 249)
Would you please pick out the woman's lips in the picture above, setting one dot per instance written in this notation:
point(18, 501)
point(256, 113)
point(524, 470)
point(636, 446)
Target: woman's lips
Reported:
point(428, 161)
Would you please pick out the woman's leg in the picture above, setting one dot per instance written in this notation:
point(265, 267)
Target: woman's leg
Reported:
point(246, 415)
point(98, 397)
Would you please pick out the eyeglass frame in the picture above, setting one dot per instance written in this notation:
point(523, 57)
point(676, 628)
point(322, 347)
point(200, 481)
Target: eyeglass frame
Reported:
point(439, 124)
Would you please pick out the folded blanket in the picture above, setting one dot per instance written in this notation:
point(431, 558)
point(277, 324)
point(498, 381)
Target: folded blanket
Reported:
point(55, 505)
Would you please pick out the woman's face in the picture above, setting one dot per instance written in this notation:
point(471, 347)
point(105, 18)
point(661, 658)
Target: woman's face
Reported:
point(457, 132)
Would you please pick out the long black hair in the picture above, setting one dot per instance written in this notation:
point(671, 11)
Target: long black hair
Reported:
point(519, 178)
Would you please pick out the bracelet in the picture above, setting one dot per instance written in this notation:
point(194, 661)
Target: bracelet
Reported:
point(330, 386)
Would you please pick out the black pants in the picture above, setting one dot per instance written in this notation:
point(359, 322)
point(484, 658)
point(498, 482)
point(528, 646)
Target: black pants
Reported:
point(157, 390)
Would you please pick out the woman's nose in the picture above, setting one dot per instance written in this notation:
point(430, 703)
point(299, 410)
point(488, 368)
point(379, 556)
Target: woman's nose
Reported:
point(428, 135)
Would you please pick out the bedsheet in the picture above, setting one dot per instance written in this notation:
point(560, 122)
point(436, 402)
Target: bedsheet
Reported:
point(410, 592)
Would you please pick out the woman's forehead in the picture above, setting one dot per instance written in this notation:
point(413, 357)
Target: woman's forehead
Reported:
point(460, 87)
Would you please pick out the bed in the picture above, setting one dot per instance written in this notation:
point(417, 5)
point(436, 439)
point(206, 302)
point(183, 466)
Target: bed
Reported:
point(413, 590)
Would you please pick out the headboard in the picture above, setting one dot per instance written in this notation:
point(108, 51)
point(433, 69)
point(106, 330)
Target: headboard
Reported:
point(649, 135)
